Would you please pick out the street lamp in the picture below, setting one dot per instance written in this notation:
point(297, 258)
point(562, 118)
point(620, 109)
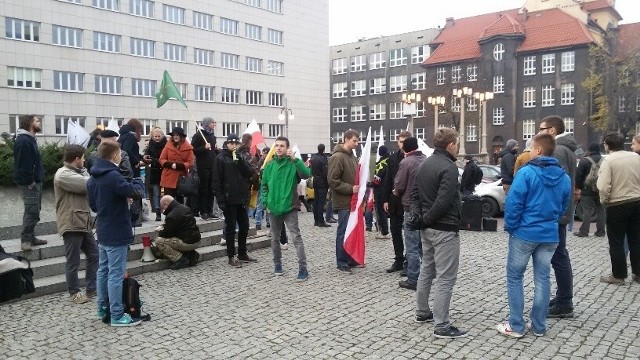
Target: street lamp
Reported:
point(483, 97)
point(436, 101)
point(410, 107)
point(285, 115)
point(462, 94)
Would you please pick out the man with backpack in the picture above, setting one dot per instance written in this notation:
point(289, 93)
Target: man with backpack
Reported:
point(586, 180)
point(471, 176)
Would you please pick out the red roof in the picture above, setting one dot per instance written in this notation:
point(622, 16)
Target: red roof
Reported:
point(596, 5)
point(546, 29)
point(628, 43)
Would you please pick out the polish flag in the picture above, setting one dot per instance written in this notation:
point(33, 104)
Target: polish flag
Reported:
point(380, 143)
point(256, 135)
point(354, 234)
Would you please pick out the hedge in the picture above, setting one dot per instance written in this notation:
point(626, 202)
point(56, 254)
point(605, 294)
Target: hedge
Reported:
point(51, 154)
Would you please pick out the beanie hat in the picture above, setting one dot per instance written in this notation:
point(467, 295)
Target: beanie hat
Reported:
point(233, 138)
point(594, 148)
point(511, 144)
point(410, 144)
point(383, 151)
point(109, 134)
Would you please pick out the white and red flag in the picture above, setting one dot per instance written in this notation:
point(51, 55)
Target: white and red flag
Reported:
point(354, 235)
point(256, 136)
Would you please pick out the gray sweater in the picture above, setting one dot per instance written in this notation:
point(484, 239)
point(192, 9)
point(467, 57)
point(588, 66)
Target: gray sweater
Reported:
point(406, 176)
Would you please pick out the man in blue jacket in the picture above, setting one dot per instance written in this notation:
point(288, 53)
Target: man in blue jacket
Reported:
point(538, 198)
point(109, 195)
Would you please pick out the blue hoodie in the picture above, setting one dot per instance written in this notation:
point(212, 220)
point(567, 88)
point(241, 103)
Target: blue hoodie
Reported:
point(539, 195)
point(108, 192)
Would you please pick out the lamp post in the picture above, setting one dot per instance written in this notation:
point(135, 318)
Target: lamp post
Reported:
point(483, 97)
point(285, 115)
point(461, 94)
point(436, 101)
point(410, 107)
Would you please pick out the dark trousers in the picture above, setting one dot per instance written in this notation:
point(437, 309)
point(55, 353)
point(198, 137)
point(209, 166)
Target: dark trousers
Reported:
point(283, 236)
point(564, 273)
point(74, 242)
point(174, 193)
point(396, 222)
point(205, 191)
point(32, 199)
point(318, 205)
point(381, 216)
point(236, 214)
point(591, 204)
point(624, 220)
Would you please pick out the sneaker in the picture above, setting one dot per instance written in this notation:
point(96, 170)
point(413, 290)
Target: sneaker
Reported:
point(91, 293)
point(182, 263)
point(158, 217)
point(37, 242)
point(505, 329)
point(405, 284)
point(530, 328)
point(258, 227)
point(25, 246)
point(580, 234)
point(78, 298)
point(303, 274)
point(396, 266)
point(193, 256)
point(600, 234)
point(451, 333)
point(424, 319)
point(125, 320)
point(222, 242)
point(403, 273)
point(234, 262)
point(345, 270)
point(245, 258)
point(101, 313)
point(559, 312)
point(324, 225)
point(277, 270)
point(610, 279)
point(284, 246)
point(383, 237)
point(331, 221)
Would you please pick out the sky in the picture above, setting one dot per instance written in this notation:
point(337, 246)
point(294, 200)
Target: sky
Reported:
point(350, 20)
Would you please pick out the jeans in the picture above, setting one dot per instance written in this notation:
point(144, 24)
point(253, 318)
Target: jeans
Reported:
point(342, 258)
point(440, 259)
point(381, 216)
point(368, 219)
point(396, 222)
point(622, 221)
point(591, 204)
point(74, 242)
point(414, 252)
point(32, 199)
point(173, 248)
point(260, 211)
point(519, 253)
point(155, 199)
point(318, 205)
point(329, 215)
point(289, 219)
point(563, 271)
point(236, 214)
point(112, 264)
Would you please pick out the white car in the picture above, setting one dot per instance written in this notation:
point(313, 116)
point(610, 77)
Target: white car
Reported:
point(493, 198)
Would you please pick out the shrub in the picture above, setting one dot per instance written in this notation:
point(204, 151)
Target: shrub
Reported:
point(51, 154)
point(6, 163)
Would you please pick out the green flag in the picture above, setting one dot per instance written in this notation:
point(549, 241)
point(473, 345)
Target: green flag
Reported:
point(168, 91)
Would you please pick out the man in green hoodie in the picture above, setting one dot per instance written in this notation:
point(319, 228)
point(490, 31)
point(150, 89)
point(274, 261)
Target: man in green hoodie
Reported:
point(279, 193)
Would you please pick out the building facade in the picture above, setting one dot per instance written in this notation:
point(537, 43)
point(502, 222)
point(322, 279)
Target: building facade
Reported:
point(93, 60)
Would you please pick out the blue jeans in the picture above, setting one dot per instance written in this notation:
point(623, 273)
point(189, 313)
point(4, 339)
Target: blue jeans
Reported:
point(564, 273)
point(155, 199)
point(519, 253)
point(368, 219)
point(342, 258)
point(260, 211)
point(329, 214)
point(413, 245)
point(112, 264)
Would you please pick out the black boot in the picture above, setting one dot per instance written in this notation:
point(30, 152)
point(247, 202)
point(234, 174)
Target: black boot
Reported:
point(396, 266)
point(193, 257)
point(158, 217)
point(182, 263)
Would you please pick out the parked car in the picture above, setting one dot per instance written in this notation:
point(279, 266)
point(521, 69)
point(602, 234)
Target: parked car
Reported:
point(493, 198)
point(490, 173)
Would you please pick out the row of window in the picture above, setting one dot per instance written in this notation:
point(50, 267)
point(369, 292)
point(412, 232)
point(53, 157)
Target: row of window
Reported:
point(378, 60)
point(379, 85)
point(567, 95)
point(624, 105)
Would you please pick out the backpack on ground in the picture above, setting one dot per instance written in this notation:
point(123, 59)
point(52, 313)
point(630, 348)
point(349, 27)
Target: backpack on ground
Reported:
point(16, 276)
point(130, 301)
point(479, 175)
point(591, 181)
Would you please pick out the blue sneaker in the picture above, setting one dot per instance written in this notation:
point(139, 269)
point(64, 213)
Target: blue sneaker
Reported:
point(303, 274)
point(125, 320)
point(101, 313)
point(277, 270)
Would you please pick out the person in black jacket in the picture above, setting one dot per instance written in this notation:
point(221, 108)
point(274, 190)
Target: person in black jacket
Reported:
point(319, 170)
point(130, 135)
point(204, 149)
point(589, 198)
point(508, 163)
point(178, 238)
point(231, 188)
point(379, 178)
point(468, 182)
point(152, 157)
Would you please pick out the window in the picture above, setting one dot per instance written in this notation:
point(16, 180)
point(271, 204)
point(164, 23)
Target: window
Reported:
point(108, 84)
point(228, 26)
point(143, 87)
point(358, 63)
point(419, 53)
point(171, 124)
point(142, 47)
point(378, 86)
point(230, 128)
point(568, 61)
point(203, 57)
point(548, 63)
point(68, 81)
point(229, 61)
point(230, 96)
point(339, 90)
point(547, 95)
point(182, 88)
point(456, 73)
point(173, 52)
point(472, 105)
point(498, 52)
point(568, 125)
point(106, 42)
point(419, 133)
point(253, 32)
point(358, 113)
point(397, 57)
point(567, 94)
point(441, 75)
point(202, 21)
point(529, 97)
point(472, 72)
point(254, 65)
point(22, 29)
point(276, 99)
point(622, 104)
point(498, 84)
point(204, 93)
point(141, 8)
point(275, 37)
point(395, 110)
point(397, 83)
point(275, 68)
point(67, 36)
point(528, 129)
point(472, 135)
point(62, 123)
point(339, 66)
point(393, 135)
point(112, 5)
point(455, 103)
point(254, 3)
point(173, 14)
point(358, 88)
point(419, 81)
point(420, 109)
point(529, 65)
point(377, 111)
point(338, 136)
point(275, 130)
point(498, 116)
point(377, 60)
point(275, 6)
point(339, 115)
point(253, 97)
point(25, 78)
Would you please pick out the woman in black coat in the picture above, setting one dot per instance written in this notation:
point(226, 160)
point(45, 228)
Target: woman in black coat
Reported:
point(151, 157)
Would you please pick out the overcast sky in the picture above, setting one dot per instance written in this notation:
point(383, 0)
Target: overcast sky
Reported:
point(350, 20)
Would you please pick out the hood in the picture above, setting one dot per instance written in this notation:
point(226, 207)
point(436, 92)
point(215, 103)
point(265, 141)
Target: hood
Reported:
point(504, 152)
point(548, 169)
point(23, 132)
point(342, 149)
point(567, 140)
point(102, 167)
point(126, 129)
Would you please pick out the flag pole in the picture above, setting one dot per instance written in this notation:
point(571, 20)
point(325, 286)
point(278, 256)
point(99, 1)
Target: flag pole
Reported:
point(197, 127)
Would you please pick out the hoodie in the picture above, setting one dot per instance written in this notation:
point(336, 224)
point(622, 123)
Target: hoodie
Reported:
point(538, 197)
point(507, 165)
point(565, 154)
point(27, 162)
point(342, 176)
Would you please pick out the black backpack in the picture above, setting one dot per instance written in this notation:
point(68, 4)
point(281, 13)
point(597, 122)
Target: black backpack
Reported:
point(479, 175)
point(15, 279)
point(130, 300)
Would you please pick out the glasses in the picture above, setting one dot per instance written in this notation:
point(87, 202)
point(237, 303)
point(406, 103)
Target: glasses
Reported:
point(545, 128)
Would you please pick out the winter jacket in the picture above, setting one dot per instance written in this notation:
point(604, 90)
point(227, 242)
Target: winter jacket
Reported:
point(180, 223)
point(320, 170)
point(108, 193)
point(129, 143)
point(468, 180)
point(380, 176)
point(405, 178)
point(395, 203)
point(565, 153)
point(279, 182)
point(154, 150)
point(245, 153)
point(584, 168)
point(231, 179)
point(181, 156)
point(27, 162)
point(507, 165)
point(205, 159)
point(72, 203)
point(341, 175)
point(436, 197)
point(125, 164)
point(538, 198)
point(619, 178)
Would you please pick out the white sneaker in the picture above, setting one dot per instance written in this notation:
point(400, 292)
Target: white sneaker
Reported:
point(529, 328)
point(222, 242)
point(505, 329)
point(78, 298)
point(284, 246)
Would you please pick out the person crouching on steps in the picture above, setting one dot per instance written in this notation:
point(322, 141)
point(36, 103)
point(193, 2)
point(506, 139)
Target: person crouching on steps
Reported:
point(178, 238)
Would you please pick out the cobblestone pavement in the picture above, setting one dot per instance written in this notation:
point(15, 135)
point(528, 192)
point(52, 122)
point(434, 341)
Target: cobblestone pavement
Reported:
point(216, 312)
